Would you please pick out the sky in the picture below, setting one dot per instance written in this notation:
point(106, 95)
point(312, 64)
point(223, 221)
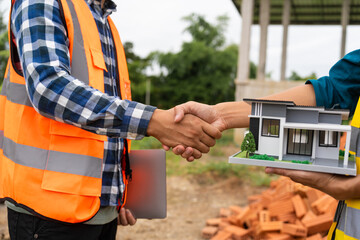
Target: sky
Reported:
point(157, 25)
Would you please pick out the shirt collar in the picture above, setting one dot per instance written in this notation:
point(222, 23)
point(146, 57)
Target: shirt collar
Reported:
point(109, 6)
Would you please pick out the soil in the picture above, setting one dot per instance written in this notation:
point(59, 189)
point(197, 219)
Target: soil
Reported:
point(191, 200)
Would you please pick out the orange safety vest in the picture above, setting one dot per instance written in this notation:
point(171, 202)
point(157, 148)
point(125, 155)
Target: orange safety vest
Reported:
point(50, 168)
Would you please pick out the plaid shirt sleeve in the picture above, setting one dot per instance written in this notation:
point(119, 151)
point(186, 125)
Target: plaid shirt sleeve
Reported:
point(42, 45)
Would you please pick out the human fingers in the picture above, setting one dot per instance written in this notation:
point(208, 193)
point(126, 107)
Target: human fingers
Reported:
point(122, 217)
point(321, 181)
point(130, 217)
point(205, 112)
point(166, 148)
point(178, 150)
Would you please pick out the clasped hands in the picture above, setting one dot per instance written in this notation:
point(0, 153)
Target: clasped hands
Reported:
point(190, 129)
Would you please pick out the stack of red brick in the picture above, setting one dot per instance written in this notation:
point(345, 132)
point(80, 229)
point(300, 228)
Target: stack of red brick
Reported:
point(285, 211)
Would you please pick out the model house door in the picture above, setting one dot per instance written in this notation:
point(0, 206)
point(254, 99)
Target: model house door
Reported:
point(300, 142)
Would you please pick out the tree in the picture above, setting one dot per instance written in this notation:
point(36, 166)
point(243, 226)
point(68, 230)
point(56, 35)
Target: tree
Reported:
point(4, 49)
point(296, 77)
point(203, 70)
point(137, 72)
point(248, 144)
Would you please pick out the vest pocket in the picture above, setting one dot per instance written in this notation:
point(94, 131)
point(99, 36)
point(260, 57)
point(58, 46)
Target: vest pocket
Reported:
point(74, 163)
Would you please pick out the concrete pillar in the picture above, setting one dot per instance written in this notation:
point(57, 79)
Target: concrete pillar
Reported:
point(285, 23)
point(264, 24)
point(247, 7)
point(244, 49)
point(345, 16)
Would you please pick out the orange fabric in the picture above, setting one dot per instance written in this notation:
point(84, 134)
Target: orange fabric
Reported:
point(92, 44)
point(46, 192)
point(122, 69)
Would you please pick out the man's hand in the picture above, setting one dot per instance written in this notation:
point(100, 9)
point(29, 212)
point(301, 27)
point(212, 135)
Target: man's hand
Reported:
point(126, 218)
point(338, 186)
point(205, 112)
point(190, 132)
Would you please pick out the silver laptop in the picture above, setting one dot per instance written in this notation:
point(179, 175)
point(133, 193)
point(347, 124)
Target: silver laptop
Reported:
point(146, 197)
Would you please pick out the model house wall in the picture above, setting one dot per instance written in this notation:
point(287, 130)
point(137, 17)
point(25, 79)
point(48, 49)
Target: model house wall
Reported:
point(281, 128)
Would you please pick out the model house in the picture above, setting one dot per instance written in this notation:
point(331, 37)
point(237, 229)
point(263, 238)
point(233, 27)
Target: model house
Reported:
point(290, 132)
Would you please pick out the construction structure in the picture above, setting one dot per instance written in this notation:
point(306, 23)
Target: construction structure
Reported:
point(285, 13)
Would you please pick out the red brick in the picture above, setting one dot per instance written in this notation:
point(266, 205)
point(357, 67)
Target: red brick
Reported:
point(223, 225)
point(213, 221)
point(320, 223)
point(242, 217)
point(222, 235)
point(322, 204)
point(208, 232)
point(238, 233)
point(315, 237)
point(308, 217)
point(299, 206)
point(225, 212)
point(264, 216)
point(276, 236)
point(236, 209)
point(312, 195)
point(287, 217)
point(269, 226)
point(280, 207)
point(294, 230)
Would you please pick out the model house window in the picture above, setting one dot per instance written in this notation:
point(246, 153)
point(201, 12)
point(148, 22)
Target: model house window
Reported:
point(300, 136)
point(270, 127)
point(328, 139)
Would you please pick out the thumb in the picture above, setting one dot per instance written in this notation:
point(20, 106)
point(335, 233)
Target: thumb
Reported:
point(179, 113)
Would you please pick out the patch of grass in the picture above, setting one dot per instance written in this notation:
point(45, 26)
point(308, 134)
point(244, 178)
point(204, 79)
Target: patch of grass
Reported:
point(146, 143)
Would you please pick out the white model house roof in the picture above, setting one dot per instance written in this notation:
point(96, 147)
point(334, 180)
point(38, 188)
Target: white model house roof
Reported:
point(291, 105)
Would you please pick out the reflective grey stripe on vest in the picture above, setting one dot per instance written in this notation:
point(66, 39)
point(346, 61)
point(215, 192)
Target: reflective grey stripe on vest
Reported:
point(5, 84)
point(79, 67)
point(341, 217)
point(1, 139)
point(15, 92)
point(52, 160)
point(352, 220)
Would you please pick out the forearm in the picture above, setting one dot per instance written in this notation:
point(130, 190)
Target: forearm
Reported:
point(54, 92)
point(235, 114)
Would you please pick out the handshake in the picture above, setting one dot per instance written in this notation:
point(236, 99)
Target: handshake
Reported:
point(190, 128)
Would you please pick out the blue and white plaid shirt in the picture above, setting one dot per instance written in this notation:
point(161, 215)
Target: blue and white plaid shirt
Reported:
point(43, 48)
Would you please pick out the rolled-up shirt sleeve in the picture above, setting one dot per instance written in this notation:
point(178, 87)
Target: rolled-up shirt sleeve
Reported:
point(43, 48)
point(341, 89)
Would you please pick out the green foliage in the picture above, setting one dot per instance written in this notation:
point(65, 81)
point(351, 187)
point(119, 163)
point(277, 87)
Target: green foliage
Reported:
point(301, 162)
point(137, 72)
point(296, 77)
point(342, 153)
point(248, 144)
point(262, 157)
point(203, 70)
point(4, 49)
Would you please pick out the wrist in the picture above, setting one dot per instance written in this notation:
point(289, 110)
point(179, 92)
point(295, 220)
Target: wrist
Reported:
point(234, 114)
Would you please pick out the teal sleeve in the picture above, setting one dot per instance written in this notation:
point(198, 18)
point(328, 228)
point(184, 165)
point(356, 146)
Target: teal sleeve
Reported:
point(341, 89)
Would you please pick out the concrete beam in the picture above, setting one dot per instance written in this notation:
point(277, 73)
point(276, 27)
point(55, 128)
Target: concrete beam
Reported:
point(345, 16)
point(264, 24)
point(285, 23)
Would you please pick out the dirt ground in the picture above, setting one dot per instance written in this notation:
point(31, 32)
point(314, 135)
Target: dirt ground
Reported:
point(191, 201)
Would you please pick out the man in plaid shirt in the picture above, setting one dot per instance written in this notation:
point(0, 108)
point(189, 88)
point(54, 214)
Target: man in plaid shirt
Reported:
point(43, 50)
